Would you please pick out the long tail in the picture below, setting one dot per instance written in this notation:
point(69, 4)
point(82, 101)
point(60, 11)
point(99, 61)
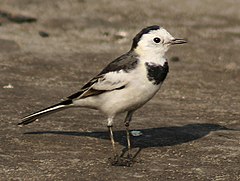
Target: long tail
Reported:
point(52, 109)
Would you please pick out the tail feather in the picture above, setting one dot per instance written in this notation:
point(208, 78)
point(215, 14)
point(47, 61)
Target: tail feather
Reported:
point(49, 110)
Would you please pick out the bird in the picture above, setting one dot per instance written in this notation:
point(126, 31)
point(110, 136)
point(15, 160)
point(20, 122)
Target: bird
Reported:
point(124, 85)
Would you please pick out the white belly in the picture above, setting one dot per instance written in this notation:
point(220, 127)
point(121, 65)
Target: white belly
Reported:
point(130, 98)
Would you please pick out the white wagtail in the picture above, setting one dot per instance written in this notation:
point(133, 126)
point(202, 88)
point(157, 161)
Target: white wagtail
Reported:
point(125, 84)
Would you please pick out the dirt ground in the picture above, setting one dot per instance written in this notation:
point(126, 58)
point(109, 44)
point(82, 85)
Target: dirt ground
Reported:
point(191, 128)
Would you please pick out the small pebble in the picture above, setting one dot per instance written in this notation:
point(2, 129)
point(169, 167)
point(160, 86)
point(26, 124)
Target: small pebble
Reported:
point(43, 34)
point(136, 133)
point(174, 59)
point(120, 35)
point(9, 86)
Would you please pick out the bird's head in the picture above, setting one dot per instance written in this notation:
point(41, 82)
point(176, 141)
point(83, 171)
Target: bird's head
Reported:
point(154, 40)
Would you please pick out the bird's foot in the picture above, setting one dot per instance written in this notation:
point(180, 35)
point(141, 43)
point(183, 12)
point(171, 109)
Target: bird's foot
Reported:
point(122, 161)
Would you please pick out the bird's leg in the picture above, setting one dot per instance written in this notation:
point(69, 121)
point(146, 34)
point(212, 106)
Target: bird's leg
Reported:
point(127, 121)
point(114, 160)
point(112, 140)
point(128, 139)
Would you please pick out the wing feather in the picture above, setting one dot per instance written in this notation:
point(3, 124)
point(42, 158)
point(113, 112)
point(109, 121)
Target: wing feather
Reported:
point(112, 77)
point(100, 84)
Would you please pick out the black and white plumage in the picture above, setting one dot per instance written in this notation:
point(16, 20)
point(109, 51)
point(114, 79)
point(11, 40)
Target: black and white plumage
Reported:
point(125, 84)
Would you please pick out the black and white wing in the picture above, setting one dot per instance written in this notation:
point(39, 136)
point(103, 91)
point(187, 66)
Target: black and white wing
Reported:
point(110, 78)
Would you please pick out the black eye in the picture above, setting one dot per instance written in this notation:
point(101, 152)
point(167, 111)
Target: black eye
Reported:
point(156, 40)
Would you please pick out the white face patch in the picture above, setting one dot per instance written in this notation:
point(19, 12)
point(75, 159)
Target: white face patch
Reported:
point(150, 44)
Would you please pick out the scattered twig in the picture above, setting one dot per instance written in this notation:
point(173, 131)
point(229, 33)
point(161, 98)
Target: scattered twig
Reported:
point(16, 18)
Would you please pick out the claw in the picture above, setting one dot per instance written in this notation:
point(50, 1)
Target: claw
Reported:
point(122, 161)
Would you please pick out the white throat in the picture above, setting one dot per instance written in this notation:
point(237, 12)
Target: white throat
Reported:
point(156, 57)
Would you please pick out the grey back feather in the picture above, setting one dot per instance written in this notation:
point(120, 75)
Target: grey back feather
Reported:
point(126, 62)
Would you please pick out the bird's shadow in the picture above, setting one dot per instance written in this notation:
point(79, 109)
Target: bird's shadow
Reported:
point(151, 137)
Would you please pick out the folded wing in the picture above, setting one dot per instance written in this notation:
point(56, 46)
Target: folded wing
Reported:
point(101, 84)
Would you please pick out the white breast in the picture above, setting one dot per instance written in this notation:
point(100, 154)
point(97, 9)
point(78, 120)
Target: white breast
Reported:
point(137, 92)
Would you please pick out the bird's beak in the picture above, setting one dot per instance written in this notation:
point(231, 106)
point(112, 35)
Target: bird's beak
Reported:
point(177, 41)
